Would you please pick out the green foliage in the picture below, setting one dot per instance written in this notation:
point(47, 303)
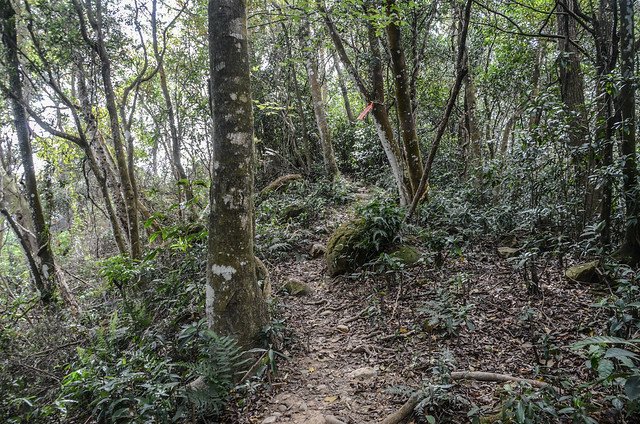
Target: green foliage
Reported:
point(119, 270)
point(446, 314)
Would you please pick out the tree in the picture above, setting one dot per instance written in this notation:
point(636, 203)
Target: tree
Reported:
point(235, 305)
point(630, 250)
point(311, 62)
point(44, 269)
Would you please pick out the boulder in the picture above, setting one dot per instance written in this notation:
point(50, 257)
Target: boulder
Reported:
point(317, 250)
point(297, 288)
point(293, 210)
point(344, 250)
point(585, 273)
point(406, 255)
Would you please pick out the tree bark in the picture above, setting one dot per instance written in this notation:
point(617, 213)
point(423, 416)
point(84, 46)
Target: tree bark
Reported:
point(234, 303)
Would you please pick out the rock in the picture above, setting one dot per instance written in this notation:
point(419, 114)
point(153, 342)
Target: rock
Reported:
point(507, 252)
point(585, 273)
point(270, 420)
point(317, 250)
point(331, 419)
point(343, 328)
point(297, 288)
point(292, 211)
point(282, 408)
point(364, 373)
point(347, 248)
point(279, 182)
point(316, 419)
point(406, 255)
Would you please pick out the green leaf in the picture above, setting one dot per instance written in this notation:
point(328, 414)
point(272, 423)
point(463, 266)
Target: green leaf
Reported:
point(618, 353)
point(632, 387)
point(603, 340)
point(605, 368)
point(431, 419)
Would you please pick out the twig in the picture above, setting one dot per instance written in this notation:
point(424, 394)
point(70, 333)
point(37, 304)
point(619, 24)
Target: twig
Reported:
point(397, 336)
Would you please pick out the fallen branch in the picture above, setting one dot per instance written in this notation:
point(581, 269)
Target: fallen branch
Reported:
point(408, 407)
point(490, 376)
point(404, 411)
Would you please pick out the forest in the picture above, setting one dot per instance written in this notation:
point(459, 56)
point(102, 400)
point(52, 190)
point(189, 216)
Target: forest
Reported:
point(319, 211)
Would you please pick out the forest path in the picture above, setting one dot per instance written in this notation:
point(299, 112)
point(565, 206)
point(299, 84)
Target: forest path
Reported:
point(337, 369)
point(356, 337)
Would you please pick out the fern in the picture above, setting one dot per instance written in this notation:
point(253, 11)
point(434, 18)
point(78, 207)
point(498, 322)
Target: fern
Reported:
point(221, 360)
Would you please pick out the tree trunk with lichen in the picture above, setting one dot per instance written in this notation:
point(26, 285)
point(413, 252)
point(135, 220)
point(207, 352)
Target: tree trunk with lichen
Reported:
point(234, 303)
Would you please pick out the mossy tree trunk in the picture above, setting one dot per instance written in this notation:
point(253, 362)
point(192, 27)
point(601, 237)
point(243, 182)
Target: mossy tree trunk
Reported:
point(234, 304)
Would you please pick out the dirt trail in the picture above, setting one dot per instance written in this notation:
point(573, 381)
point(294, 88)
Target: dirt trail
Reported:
point(335, 368)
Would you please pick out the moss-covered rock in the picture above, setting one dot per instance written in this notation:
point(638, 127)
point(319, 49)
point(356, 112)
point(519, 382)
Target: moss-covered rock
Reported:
point(585, 273)
point(406, 255)
point(344, 248)
point(293, 211)
point(297, 288)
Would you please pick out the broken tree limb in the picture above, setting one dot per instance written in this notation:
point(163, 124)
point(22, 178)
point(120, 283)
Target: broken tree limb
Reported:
point(404, 411)
point(490, 376)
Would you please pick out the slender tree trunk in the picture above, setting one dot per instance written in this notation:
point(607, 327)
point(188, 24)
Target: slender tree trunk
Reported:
point(381, 117)
point(46, 278)
point(343, 89)
point(572, 93)
point(311, 61)
point(99, 166)
point(408, 131)
point(376, 96)
point(306, 142)
point(234, 302)
point(180, 174)
point(122, 159)
point(627, 114)
point(606, 43)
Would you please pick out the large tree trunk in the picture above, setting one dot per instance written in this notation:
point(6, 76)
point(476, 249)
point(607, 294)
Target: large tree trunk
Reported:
point(406, 117)
point(45, 275)
point(606, 43)
point(572, 93)
point(311, 62)
point(630, 251)
point(234, 302)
